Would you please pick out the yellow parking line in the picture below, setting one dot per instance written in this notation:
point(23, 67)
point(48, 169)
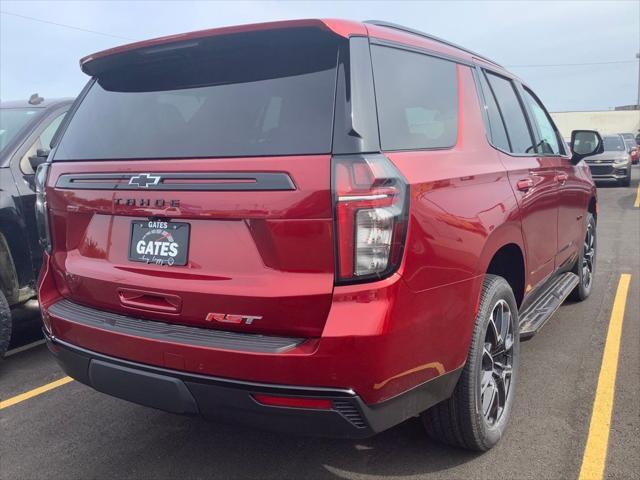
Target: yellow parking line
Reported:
point(35, 392)
point(637, 204)
point(595, 452)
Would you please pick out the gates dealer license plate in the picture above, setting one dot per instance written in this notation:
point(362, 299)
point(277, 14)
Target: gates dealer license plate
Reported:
point(159, 242)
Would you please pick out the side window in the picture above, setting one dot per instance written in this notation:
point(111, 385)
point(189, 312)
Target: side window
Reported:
point(49, 132)
point(42, 141)
point(417, 98)
point(549, 142)
point(512, 113)
point(497, 132)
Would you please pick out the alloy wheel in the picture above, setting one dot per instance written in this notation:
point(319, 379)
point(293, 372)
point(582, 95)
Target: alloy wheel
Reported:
point(588, 257)
point(497, 363)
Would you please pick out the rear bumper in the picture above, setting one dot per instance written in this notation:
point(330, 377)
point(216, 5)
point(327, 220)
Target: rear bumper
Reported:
point(228, 400)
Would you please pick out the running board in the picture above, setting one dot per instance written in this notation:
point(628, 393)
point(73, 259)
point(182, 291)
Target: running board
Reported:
point(533, 318)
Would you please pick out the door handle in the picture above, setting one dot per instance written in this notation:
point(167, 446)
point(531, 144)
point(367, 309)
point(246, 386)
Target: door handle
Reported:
point(561, 178)
point(524, 184)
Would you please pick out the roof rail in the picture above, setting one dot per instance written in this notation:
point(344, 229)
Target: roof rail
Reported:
point(395, 26)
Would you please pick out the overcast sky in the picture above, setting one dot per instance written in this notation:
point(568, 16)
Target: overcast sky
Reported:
point(42, 57)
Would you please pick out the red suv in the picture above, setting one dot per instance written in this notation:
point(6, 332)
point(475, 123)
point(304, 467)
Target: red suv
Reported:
point(317, 226)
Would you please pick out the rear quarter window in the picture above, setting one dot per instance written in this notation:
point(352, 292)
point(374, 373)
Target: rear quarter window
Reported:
point(417, 99)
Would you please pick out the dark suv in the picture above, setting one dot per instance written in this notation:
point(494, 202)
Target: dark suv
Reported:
point(317, 226)
point(26, 129)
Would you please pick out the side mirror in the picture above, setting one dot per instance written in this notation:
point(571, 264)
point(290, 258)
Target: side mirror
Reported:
point(39, 158)
point(585, 143)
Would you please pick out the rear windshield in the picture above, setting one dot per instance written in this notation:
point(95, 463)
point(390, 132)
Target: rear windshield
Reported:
point(613, 144)
point(12, 120)
point(250, 94)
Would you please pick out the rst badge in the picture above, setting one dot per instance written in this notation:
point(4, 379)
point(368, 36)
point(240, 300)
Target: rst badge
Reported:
point(159, 242)
point(231, 318)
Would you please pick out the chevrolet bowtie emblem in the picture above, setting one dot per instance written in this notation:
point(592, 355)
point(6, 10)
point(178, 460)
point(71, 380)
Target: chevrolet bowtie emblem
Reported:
point(144, 180)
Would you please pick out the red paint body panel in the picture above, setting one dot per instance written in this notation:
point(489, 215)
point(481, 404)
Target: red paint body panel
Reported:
point(373, 333)
point(271, 254)
point(267, 254)
point(539, 212)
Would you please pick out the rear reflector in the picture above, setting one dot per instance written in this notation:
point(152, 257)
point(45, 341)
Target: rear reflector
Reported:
point(293, 402)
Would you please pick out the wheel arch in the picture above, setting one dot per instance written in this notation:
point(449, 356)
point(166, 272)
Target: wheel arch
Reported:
point(504, 255)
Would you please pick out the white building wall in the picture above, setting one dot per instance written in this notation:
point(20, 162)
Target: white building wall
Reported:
point(612, 121)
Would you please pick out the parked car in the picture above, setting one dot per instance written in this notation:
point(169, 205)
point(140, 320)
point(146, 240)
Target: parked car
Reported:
point(632, 148)
point(628, 136)
point(26, 128)
point(287, 247)
point(612, 164)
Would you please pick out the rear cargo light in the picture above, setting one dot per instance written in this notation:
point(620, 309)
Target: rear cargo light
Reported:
point(42, 216)
point(371, 205)
point(293, 402)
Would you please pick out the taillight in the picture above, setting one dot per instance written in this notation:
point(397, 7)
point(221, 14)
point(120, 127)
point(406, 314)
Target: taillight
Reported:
point(42, 216)
point(371, 204)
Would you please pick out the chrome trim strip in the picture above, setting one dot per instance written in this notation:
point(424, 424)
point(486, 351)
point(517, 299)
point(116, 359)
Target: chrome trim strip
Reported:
point(219, 181)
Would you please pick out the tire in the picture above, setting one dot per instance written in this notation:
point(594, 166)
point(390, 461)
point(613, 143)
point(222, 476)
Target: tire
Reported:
point(5, 325)
point(585, 266)
point(462, 420)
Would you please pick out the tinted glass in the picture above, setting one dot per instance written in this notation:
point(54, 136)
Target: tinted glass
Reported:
point(512, 113)
point(548, 136)
point(47, 135)
point(614, 144)
point(42, 142)
point(497, 132)
point(12, 120)
point(260, 93)
point(417, 99)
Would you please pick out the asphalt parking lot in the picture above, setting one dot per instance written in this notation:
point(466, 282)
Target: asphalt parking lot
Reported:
point(71, 431)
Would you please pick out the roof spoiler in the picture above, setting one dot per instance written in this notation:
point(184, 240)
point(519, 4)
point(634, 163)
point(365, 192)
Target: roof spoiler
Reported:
point(98, 62)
